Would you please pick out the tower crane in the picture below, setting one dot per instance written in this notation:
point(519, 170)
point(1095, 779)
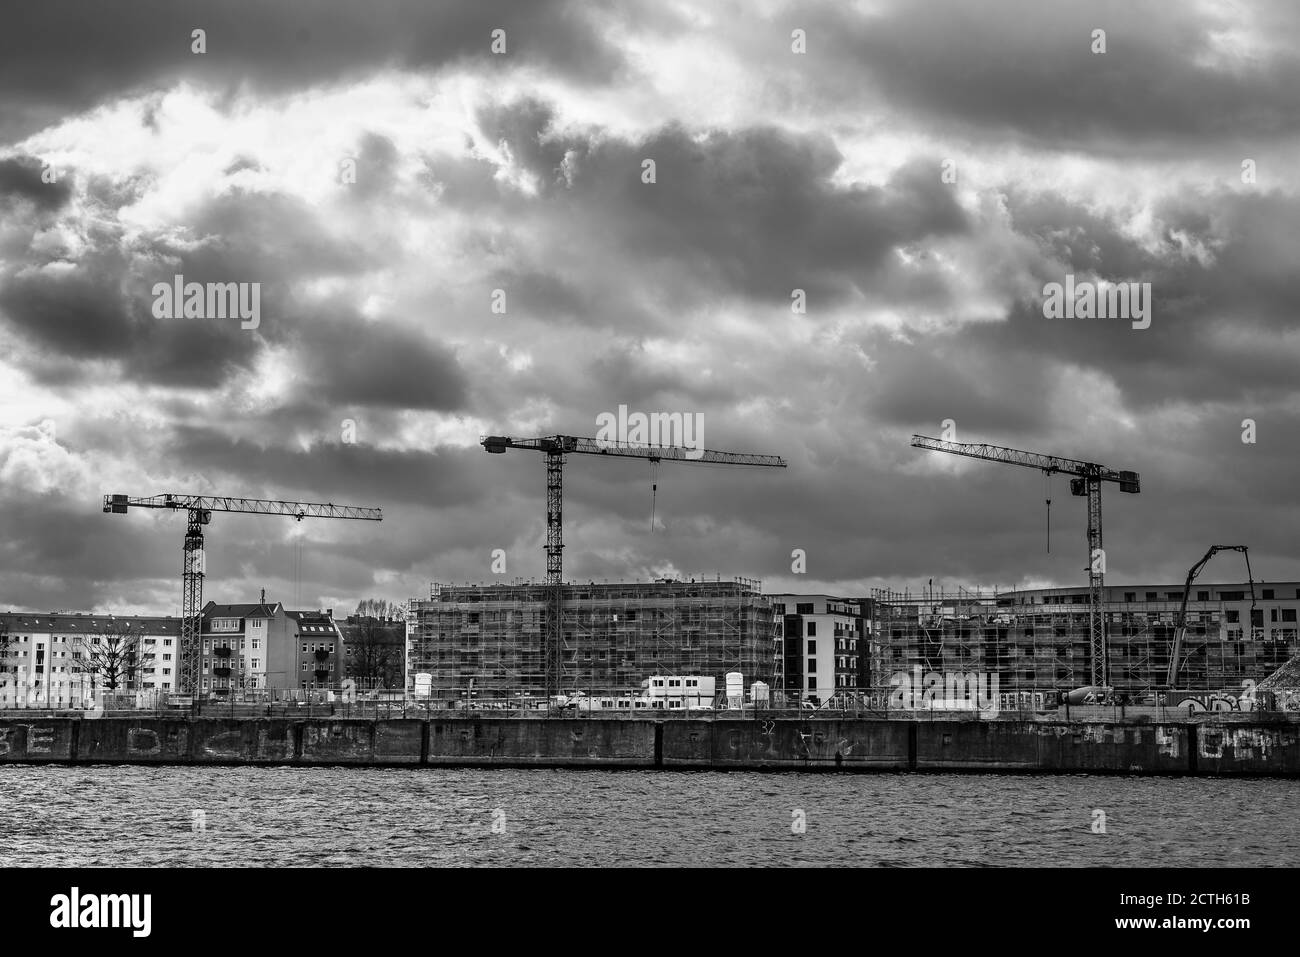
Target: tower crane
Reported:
point(555, 448)
point(1180, 624)
point(1087, 480)
point(200, 509)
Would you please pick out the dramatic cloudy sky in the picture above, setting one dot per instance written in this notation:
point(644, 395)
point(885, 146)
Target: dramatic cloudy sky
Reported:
point(775, 171)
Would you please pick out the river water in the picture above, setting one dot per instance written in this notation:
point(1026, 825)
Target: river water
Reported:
point(270, 816)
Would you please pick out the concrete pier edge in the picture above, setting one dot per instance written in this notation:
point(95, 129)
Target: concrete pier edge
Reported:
point(1174, 748)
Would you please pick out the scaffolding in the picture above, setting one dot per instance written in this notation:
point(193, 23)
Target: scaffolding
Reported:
point(488, 641)
point(1046, 647)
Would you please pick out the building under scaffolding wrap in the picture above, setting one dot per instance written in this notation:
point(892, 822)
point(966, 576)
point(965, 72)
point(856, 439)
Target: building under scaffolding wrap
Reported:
point(1038, 640)
point(487, 642)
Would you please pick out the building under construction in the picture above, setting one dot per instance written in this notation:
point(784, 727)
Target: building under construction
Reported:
point(1038, 640)
point(486, 642)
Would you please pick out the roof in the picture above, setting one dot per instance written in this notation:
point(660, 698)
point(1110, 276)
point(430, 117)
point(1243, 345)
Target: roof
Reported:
point(1286, 678)
point(254, 610)
point(85, 623)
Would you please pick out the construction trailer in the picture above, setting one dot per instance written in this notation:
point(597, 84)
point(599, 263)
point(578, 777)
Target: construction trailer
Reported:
point(481, 643)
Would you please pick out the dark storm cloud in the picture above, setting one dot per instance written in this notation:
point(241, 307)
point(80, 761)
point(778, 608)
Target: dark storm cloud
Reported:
point(753, 211)
point(20, 178)
point(1028, 68)
point(62, 55)
point(102, 308)
point(347, 360)
point(1216, 321)
point(83, 312)
point(271, 466)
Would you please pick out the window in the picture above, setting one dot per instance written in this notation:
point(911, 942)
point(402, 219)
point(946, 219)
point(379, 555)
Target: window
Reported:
point(1153, 596)
point(1288, 614)
point(812, 647)
point(812, 628)
point(1268, 594)
point(167, 642)
point(257, 643)
point(812, 683)
point(803, 608)
point(207, 645)
point(1257, 617)
point(167, 657)
point(257, 662)
point(167, 671)
point(1234, 615)
point(812, 666)
point(1130, 596)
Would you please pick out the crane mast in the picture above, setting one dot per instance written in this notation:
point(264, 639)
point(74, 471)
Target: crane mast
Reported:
point(1086, 482)
point(199, 509)
point(555, 448)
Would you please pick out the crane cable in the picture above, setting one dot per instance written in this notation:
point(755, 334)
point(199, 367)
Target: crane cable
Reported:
point(654, 491)
point(1047, 484)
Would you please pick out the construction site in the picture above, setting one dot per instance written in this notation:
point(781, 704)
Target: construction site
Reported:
point(1039, 640)
point(480, 643)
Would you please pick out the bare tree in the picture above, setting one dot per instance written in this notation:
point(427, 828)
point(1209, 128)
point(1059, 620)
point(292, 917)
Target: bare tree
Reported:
point(375, 650)
point(380, 608)
point(114, 656)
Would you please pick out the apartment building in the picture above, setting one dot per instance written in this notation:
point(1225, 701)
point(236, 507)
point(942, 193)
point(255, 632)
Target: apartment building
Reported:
point(822, 639)
point(70, 659)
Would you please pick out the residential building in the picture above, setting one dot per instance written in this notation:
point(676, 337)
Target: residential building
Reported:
point(1039, 639)
point(487, 641)
point(821, 637)
point(253, 648)
point(68, 660)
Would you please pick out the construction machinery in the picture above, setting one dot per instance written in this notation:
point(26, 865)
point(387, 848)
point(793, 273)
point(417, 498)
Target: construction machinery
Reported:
point(200, 509)
point(555, 448)
point(1180, 624)
point(1086, 481)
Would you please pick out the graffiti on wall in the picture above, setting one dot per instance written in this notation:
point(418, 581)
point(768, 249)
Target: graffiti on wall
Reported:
point(1200, 702)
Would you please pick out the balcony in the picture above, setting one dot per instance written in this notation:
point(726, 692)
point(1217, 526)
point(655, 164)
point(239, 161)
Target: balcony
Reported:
point(322, 674)
point(322, 654)
point(223, 652)
point(221, 672)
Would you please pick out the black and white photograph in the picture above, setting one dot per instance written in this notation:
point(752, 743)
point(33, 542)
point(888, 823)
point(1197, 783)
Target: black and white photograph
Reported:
point(534, 434)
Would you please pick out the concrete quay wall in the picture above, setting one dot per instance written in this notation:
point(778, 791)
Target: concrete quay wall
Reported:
point(851, 744)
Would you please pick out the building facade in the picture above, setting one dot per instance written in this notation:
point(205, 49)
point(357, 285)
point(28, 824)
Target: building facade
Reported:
point(255, 648)
point(1039, 639)
point(71, 660)
point(822, 639)
point(487, 641)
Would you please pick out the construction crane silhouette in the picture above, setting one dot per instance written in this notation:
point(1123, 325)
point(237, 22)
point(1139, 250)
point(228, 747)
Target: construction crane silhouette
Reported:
point(200, 509)
point(1180, 627)
point(556, 447)
point(1087, 480)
